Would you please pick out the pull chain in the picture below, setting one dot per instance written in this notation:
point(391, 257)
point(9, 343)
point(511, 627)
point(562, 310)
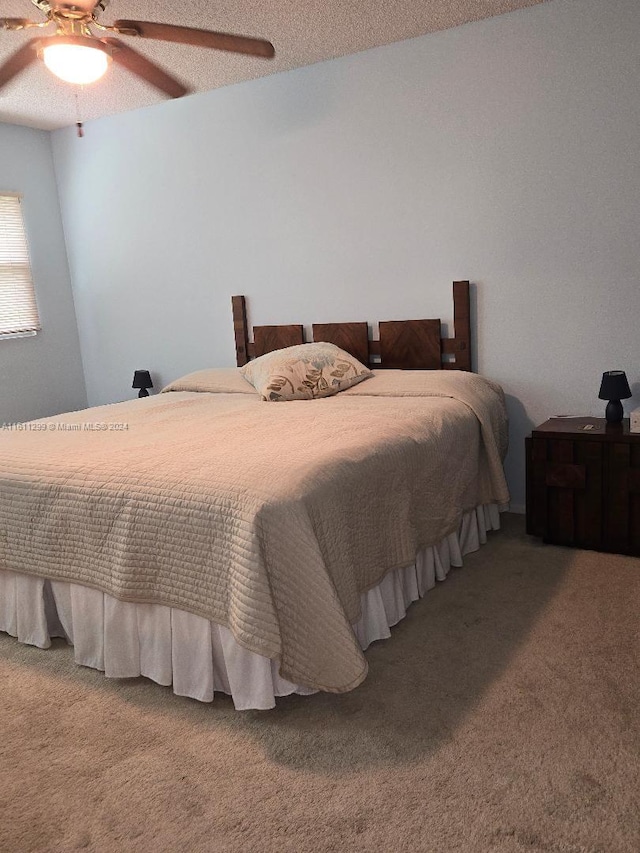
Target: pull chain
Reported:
point(78, 120)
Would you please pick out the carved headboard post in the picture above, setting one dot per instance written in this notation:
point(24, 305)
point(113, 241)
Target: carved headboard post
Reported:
point(461, 342)
point(240, 329)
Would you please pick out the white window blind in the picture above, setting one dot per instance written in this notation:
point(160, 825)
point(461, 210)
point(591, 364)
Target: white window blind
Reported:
point(18, 309)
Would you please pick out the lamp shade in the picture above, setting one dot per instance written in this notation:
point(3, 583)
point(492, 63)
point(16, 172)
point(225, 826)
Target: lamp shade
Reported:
point(614, 386)
point(142, 379)
point(75, 59)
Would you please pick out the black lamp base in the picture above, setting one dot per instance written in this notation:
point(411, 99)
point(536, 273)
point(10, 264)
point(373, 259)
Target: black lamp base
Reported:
point(614, 412)
point(144, 393)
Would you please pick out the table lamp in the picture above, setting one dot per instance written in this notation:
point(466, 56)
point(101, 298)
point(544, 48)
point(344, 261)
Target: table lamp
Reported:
point(614, 387)
point(142, 380)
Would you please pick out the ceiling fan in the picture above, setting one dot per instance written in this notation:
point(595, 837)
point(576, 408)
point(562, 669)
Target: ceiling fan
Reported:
point(77, 55)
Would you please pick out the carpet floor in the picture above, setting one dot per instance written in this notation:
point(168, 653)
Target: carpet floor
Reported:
point(503, 715)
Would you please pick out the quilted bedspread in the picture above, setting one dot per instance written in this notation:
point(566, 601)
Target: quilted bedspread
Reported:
point(269, 518)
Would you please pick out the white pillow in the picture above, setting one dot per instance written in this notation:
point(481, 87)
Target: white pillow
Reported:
point(217, 380)
point(304, 372)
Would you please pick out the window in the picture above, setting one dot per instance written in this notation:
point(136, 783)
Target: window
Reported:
point(18, 309)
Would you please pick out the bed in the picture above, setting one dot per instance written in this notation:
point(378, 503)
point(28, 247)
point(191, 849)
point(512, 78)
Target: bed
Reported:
point(213, 541)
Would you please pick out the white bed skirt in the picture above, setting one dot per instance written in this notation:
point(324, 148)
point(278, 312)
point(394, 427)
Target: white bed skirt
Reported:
point(195, 656)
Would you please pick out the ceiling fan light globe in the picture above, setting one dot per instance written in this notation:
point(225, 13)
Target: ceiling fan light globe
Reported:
point(76, 63)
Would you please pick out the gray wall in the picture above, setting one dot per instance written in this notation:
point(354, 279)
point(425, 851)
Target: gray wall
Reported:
point(40, 375)
point(505, 151)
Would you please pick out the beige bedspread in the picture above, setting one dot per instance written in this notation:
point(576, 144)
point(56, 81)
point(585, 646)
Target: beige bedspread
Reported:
point(269, 518)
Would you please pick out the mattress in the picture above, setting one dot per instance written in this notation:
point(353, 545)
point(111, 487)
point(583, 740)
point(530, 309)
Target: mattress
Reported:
point(268, 519)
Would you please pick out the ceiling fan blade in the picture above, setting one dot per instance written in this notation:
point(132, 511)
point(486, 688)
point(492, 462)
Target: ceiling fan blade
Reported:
point(16, 23)
point(18, 61)
point(199, 38)
point(143, 67)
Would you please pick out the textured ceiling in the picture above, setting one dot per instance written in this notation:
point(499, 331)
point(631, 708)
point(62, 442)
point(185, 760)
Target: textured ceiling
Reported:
point(302, 31)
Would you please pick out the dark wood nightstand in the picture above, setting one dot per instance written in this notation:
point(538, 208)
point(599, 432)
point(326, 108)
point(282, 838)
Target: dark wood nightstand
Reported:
point(583, 484)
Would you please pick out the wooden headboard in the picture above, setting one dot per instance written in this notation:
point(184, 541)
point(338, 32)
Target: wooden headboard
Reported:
point(405, 344)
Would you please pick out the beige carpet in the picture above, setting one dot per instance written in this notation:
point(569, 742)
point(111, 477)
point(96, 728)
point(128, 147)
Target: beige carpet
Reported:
point(502, 716)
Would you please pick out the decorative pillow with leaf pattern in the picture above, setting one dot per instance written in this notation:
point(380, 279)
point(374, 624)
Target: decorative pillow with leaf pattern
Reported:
point(304, 372)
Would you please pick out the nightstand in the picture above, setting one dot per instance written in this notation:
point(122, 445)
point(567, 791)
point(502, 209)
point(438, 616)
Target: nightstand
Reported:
point(583, 484)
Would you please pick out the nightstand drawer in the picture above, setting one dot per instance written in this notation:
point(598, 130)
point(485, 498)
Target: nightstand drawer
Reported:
point(623, 498)
point(564, 491)
point(563, 475)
